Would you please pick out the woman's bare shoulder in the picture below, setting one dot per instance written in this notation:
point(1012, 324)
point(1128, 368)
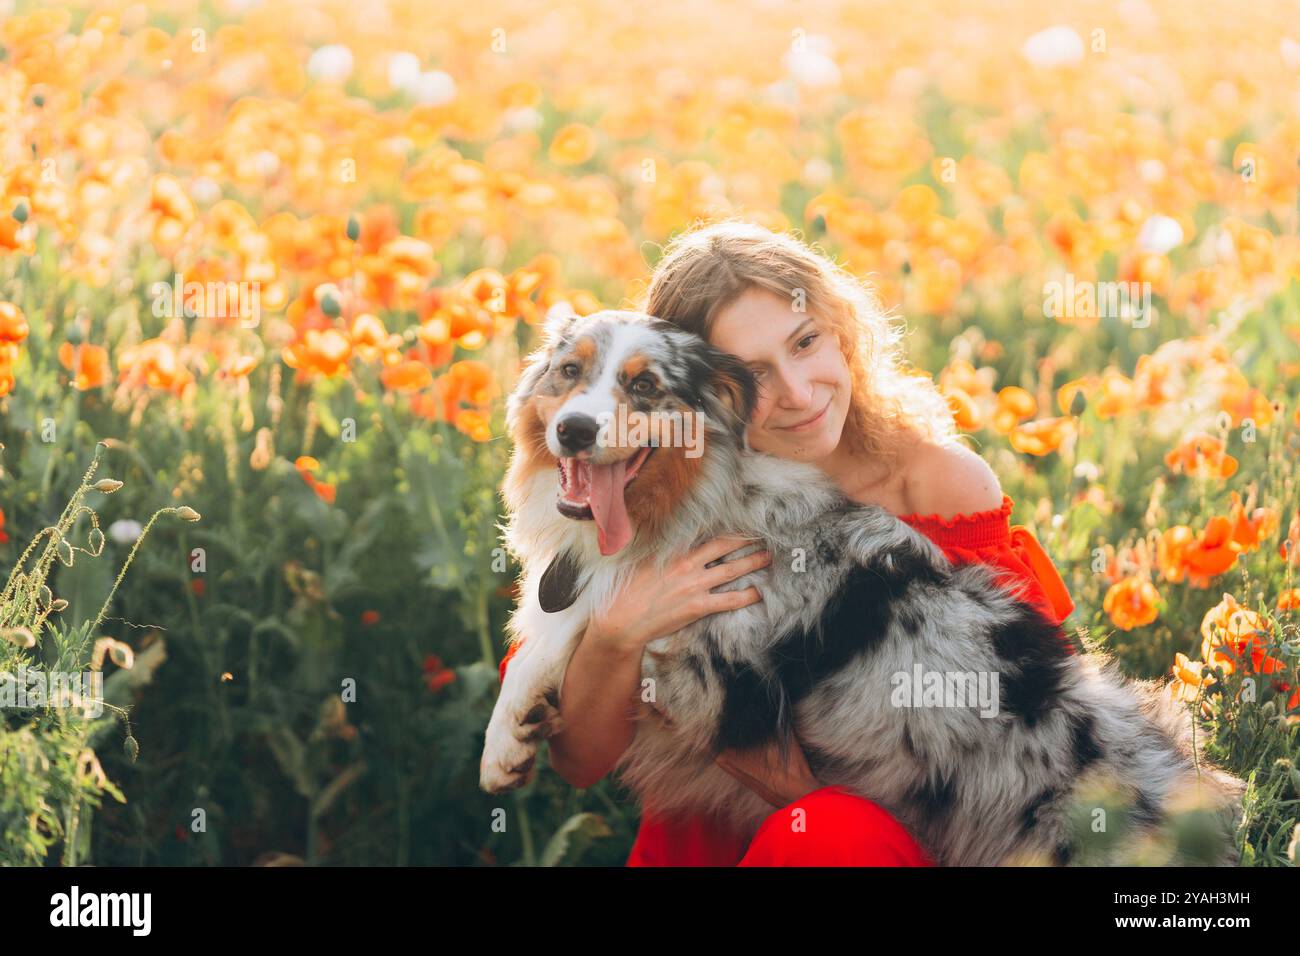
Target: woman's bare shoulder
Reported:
point(948, 479)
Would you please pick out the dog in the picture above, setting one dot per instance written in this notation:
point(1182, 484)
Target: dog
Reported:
point(857, 605)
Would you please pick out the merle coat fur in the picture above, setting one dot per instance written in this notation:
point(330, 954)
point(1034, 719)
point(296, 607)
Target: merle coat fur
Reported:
point(852, 598)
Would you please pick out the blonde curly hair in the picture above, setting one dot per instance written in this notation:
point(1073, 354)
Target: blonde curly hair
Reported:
point(706, 268)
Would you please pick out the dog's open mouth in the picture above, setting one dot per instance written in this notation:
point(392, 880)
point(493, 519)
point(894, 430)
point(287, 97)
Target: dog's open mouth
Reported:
point(595, 492)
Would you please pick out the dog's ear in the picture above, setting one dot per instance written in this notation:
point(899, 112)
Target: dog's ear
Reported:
point(559, 585)
point(556, 330)
point(560, 320)
point(730, 392)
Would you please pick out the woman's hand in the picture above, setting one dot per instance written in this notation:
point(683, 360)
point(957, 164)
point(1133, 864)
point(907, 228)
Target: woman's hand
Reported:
point(761, 770)
point(655, 604)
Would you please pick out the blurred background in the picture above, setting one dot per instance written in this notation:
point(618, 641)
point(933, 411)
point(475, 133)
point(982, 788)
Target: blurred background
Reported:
point(277, 263)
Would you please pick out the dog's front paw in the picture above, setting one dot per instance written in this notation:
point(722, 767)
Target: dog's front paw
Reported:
point(507, 766)
point(540, 720)
point(510, 751)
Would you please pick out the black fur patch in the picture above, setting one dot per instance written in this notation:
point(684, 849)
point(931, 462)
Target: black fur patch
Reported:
point(757, 707)
point(1083, 741)
point(1063, 854)
point(751, 706)
point(935, 800)
point(1035, 655)
point(1029, 816)
point(696, 667)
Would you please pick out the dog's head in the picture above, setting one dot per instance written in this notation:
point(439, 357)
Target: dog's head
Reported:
point(624, 407)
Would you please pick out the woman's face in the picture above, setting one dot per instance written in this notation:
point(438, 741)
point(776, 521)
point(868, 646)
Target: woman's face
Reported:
point(803, 380)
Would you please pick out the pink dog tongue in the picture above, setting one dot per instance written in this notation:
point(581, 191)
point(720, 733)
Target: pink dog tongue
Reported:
point(613, 530)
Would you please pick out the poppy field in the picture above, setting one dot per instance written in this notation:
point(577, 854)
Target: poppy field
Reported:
point(268, 271)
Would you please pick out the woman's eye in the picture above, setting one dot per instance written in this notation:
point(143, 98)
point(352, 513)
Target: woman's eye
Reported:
point(807, 338)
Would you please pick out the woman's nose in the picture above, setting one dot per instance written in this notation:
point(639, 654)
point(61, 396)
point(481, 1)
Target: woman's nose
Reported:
point(793, 393)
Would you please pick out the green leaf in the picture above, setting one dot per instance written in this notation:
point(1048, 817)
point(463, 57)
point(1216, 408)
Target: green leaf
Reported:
point(335, 787)
point(291, 755)
point(573, 838)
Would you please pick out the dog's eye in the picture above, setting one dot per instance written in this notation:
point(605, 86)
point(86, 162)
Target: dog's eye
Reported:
point(569, 369)
point(643, 386)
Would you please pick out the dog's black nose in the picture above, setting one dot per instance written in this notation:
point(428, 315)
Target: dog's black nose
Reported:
point(577, 432)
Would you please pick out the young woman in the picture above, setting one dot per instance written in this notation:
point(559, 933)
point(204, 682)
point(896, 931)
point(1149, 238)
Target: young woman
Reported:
point(833, 390)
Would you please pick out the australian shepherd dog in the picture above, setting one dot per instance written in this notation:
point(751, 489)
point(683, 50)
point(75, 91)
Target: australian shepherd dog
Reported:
point(867, 646)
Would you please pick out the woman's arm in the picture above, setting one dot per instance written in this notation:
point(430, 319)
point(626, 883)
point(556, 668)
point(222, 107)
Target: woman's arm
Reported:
point(599, 701)
point(600, 697)
point(779, 782)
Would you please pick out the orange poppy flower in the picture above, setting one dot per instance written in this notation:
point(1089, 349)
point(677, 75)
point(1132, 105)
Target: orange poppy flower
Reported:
point(1182, 554)
point(473, 423)
point(1132, 603)
point(155, 364)
point(168, 197)
point(370, 340)
point(1241, 400)
point(1117, 396)
point(961, 374)
point(1190, 677)
point(1014, 406)
point(462, 320)
point(88, 364)
point(537, 277)
point(1201, 454)
point(1065, 394)
point(1249, 531)
point(3, 537)
point(572, 144)
point(378, 225)
point(1289, 600)
point(965, 412)
point(407, 376)
point(1041, 437)
point(320, 352)
point(306, 464)
point(469, 381)
point(238, 367)
point(1230, 632)
point(1150, 268)
point(13, 324)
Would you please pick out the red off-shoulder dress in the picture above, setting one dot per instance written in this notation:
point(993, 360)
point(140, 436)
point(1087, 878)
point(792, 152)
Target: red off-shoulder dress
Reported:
point(839, 828)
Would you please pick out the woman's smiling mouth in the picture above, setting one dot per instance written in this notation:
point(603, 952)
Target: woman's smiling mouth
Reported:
point(803, 426)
